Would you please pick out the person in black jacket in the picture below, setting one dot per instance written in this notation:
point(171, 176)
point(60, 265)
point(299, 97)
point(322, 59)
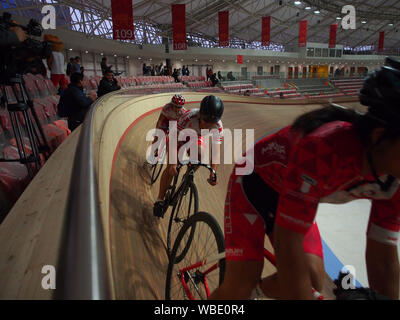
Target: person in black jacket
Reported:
point(104, 66)
point(107, 84)
point(73, 102)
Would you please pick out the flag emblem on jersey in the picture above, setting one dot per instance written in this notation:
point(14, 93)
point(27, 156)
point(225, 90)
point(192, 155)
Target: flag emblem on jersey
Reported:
point(307, 183)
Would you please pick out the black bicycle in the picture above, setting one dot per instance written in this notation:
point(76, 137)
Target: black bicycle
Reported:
point(184, 200)
point(157, 167)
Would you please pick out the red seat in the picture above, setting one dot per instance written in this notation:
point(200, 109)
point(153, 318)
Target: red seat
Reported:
point(5, 120)
point(63, 125)
point(14, 179)
point(54, 135)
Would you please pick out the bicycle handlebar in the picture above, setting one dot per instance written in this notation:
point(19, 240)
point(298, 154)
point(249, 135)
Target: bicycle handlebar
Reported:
point(200, 165)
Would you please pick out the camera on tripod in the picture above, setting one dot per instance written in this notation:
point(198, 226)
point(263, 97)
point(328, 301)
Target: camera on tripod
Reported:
point(17, 59)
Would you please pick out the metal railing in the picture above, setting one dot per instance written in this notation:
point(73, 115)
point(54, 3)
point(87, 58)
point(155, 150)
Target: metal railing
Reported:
point(82, 266)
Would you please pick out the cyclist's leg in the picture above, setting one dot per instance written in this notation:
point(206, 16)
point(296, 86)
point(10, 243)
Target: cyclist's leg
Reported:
point(312, 246)
point(240, 279)
point(154, 150)
point(314, 254)
point(244, 245)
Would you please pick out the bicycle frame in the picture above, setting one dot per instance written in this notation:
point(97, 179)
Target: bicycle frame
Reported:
point(174, 193)
point(267, 255)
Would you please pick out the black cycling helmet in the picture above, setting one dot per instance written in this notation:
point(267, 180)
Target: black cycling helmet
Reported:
point(381, 93)
point(211, 109)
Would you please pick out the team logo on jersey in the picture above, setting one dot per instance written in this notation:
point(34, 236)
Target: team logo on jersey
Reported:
point(275, 148)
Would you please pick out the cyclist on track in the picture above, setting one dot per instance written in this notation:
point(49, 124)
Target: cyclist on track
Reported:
point(207, 117)
point(170, 112)
point(332, 155)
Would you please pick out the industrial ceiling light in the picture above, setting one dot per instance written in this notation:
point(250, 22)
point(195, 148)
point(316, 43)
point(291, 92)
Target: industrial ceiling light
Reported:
point(308, 8)
point(338, 18)
point(363, 22)
point(297, 3)
point(317, 11)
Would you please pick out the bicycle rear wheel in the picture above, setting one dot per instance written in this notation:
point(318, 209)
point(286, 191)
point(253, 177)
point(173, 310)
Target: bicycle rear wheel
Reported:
point(207, 241)
point(186, 205)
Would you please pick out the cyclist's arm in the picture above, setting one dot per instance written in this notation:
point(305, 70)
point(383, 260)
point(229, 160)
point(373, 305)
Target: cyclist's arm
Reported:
point(215, 156)
point(383, 268)
point(382, 241)
point(160, 121)
point(293, 274)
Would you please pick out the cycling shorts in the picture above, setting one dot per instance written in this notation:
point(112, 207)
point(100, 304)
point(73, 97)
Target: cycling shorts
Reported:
point(250, 210)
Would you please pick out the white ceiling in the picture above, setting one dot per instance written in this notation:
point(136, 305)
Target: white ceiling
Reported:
point(245, 18)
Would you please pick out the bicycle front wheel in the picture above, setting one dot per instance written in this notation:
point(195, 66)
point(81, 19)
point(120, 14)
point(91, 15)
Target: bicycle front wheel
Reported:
point(200, 271)
point(186, 205)
point(158, 167)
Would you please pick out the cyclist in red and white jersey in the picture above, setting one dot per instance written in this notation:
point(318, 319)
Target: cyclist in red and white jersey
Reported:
point(172, 111)
point(207, 117)
point(332, 155)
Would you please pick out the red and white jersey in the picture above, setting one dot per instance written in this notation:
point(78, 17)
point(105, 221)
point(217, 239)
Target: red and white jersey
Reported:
point(191, 120)
point(324, 166)
point(170, 114)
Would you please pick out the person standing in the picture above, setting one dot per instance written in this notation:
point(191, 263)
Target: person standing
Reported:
point(56, 62)
point(69, 67)
point(108, 84)
point(104, 66)
point(73, 102)
point(76, 67)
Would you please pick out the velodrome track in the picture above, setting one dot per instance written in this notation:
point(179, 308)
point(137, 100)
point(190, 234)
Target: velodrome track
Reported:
point(31, 235)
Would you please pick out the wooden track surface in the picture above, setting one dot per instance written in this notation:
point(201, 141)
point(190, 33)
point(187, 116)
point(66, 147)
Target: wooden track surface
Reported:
point(31, 233)
point(138, 253)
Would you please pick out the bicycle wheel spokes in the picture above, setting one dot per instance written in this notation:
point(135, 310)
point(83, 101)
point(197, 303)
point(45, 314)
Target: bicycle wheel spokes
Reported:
point(200, 274)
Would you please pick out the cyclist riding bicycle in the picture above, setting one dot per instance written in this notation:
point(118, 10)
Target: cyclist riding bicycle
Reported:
point(207, 117)
point(170, 112)
point(331, 155)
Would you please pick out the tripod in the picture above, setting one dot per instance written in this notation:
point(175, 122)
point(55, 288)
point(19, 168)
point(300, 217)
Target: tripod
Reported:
point(21, 104)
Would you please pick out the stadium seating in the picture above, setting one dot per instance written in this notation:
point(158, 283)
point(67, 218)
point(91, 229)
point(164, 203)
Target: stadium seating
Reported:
point(14, 176)
point(349, 87)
